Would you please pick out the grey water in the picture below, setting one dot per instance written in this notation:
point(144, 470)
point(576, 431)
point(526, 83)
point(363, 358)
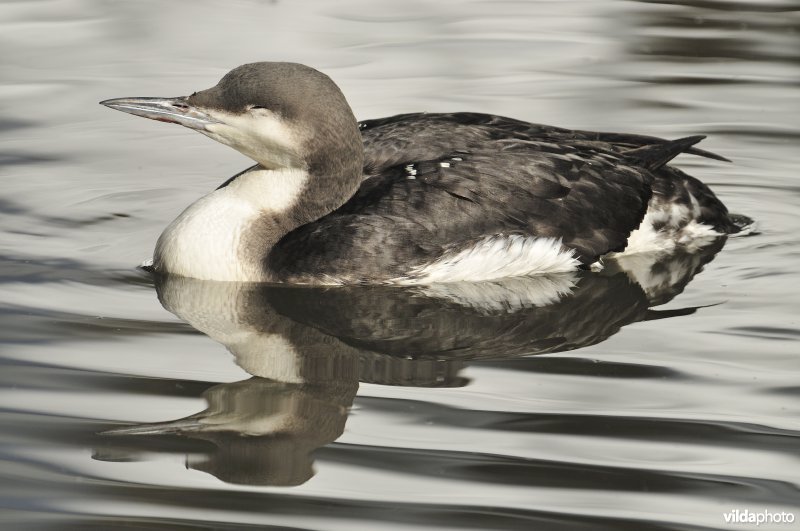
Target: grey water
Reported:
point(661, 396)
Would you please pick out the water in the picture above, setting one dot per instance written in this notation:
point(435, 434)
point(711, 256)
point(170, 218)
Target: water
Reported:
point(376, 409)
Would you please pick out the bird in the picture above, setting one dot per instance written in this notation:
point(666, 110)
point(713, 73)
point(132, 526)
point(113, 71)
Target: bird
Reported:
point(418, 198)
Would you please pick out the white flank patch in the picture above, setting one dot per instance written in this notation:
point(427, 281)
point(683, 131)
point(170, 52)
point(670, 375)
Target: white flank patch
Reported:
point(647, 239)
point(678, 226)
point(204, 241)
point(496, 257)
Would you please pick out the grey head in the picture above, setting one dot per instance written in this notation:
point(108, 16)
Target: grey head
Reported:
point(282, 115)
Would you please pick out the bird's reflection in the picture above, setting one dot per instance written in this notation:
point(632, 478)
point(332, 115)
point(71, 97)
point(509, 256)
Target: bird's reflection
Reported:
point(308, 348)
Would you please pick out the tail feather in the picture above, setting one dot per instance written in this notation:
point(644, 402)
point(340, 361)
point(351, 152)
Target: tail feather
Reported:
point(655, 156)
point(707, 154)
point(636, 141)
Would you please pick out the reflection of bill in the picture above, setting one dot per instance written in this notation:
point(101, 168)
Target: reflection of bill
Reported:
point(264, 431)
point(308, 348)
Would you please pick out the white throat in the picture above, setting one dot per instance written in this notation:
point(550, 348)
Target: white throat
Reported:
point(225, 234)
point(258, 134)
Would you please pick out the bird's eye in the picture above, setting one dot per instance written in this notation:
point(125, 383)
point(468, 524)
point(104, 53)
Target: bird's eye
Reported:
point(253, 107)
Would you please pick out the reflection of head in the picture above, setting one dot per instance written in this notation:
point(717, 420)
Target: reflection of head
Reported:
point(277, 461)
point(266, 431)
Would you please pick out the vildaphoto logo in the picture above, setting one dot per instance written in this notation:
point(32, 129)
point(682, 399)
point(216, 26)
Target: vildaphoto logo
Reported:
point(746, 516)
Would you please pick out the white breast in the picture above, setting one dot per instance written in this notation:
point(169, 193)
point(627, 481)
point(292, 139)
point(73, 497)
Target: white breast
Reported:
point(207, 240)
point(204, 241)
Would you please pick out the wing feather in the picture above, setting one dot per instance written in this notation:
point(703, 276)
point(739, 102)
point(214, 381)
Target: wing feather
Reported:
point(432, 181)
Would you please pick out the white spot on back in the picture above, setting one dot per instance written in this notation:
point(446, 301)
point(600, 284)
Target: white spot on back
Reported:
point(495, 257)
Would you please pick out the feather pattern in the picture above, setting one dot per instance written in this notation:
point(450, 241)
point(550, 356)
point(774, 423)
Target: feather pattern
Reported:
point(439, 188)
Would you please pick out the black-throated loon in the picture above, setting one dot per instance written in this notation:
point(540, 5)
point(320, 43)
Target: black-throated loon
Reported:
point(414, 198)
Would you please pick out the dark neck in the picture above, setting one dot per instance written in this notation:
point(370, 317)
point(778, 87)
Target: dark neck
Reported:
point(328, 186)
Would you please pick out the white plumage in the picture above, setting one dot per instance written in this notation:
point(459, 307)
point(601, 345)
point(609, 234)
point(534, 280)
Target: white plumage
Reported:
point(496, 257)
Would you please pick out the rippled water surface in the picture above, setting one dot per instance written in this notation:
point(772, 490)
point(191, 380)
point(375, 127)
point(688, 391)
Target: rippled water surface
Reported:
point(595, 401)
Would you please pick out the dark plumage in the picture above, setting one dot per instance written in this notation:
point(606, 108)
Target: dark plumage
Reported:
point(433, 182)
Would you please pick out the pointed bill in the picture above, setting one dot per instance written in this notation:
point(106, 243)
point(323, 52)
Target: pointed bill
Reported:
point(170, 110)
